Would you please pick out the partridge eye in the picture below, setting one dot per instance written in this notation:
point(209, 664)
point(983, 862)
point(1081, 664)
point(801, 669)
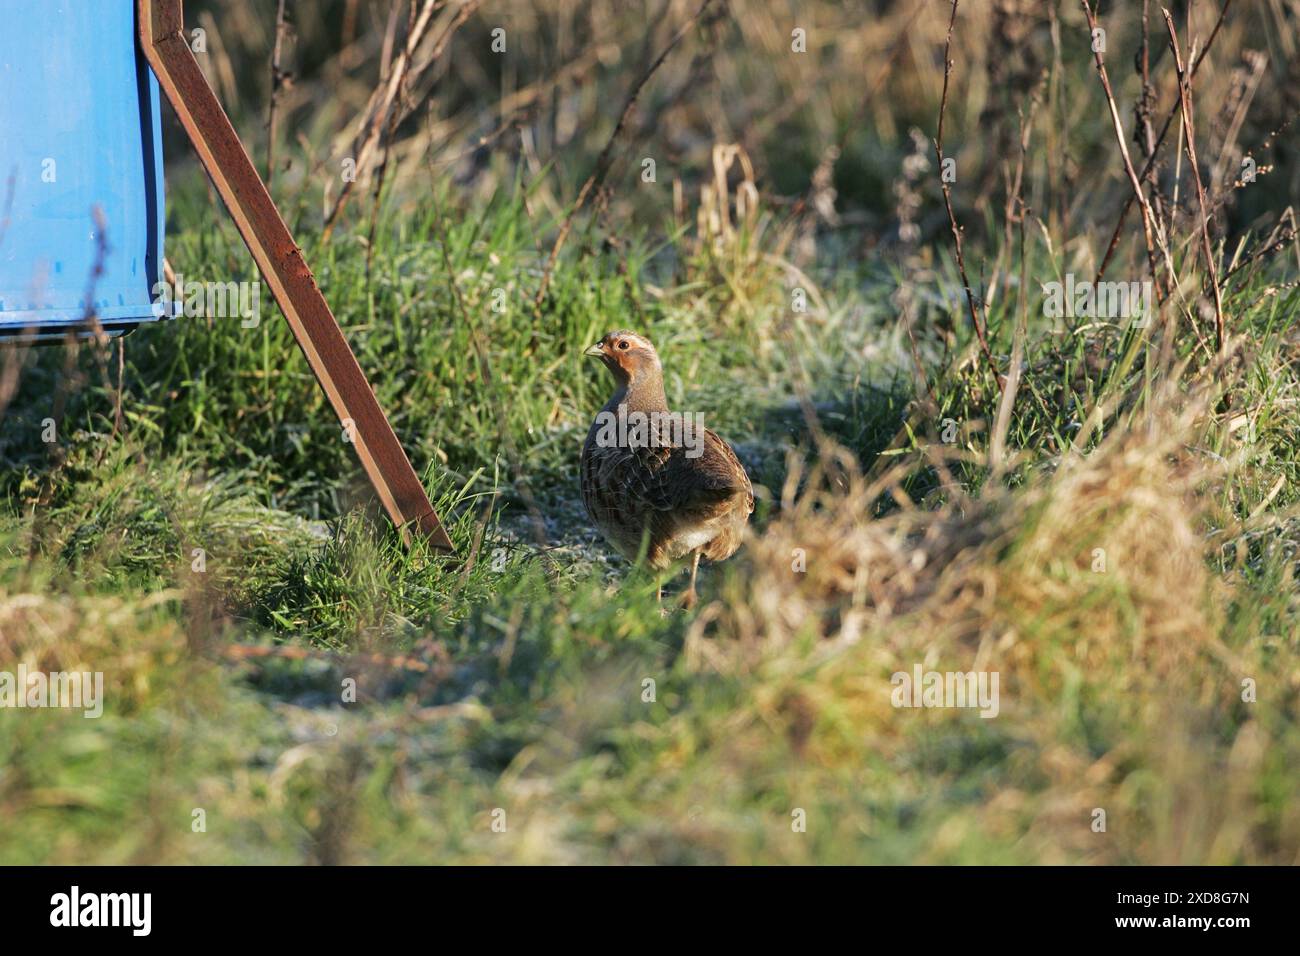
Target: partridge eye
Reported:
point(623, 344)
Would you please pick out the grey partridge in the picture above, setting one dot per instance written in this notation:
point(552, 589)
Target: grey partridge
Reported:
point(657, 480)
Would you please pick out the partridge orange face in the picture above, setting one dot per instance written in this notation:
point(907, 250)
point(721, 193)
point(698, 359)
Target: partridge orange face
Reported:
point(626, 354)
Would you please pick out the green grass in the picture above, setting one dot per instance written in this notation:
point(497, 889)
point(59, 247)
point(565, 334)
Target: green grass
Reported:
point(528, 692)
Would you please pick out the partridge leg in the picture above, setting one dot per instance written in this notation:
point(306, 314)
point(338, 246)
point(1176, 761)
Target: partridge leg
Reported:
point(690, 597)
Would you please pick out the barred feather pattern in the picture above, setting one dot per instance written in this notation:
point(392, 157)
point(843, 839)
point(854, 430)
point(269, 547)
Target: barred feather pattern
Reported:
point(662, 500)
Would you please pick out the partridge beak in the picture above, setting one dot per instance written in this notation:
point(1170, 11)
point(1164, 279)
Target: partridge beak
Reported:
point(596, 351)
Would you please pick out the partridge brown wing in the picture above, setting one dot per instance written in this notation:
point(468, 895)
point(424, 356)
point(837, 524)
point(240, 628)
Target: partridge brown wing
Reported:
point(628, 491)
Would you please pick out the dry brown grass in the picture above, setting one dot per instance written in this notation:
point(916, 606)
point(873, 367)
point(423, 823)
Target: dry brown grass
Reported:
point(1118, 689)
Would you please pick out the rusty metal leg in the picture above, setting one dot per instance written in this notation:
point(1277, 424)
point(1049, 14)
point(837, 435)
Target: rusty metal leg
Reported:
point(162, 38)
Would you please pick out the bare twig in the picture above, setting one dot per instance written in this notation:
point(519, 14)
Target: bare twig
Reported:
point(606, 157)
point(387, 97)
point(1142, 113)
point(1155, 149)
point(387, 140)
point(947, 202)
point(1274, 245)
point(1189, 140)
point(279, 82)
point(1150, 224)
point(377, 110)
point(1014, 209)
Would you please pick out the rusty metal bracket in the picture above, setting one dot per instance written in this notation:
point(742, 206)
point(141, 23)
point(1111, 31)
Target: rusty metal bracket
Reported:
point(162, 39)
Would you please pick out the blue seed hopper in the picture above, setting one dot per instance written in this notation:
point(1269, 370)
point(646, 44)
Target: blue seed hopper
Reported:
point(82, 212)
point(81, 178)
